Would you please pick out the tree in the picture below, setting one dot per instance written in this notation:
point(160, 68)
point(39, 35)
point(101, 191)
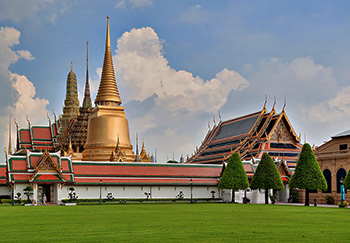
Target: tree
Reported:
point(307, 174)
point(347, 180)
point(28, 191)
point(266, 177)
point(234, 176)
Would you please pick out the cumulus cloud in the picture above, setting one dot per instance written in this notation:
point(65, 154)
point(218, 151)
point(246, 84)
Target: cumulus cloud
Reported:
point(25, 54)
point(26, 103)
point(314, 102)
point(162, 102)
point(144, 71)
point(17, 92)
point(134, 4)
point(8, 38)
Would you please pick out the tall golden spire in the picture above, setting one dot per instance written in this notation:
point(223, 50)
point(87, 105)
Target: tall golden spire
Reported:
point(108, 93)
point(10, 143)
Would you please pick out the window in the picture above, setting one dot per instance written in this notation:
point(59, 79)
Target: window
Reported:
point(341, 173)
point(343, 147)
point(328, 176)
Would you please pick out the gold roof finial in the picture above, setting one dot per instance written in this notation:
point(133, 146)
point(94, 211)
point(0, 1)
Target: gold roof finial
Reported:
point(108, 93)
point(285, 103)
point(71, 66)
point(265, 102)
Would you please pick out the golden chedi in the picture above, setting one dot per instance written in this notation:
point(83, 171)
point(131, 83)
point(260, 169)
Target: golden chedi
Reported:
point(108, 128)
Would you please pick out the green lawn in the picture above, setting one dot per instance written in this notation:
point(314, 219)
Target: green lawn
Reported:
point(202, 222)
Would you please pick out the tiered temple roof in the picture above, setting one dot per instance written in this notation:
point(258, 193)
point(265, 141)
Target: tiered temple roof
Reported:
point(37, 138)
point(39, 167)
point(76, 132)
point(250, 136)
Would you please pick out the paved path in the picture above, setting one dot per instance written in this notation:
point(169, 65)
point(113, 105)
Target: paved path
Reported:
point(311, 204)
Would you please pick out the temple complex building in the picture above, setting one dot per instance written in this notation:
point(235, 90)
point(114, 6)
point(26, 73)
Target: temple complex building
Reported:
point(73, 137)
point(250, 135)
point(334, 159)
point(71, 102)
point(108, 130)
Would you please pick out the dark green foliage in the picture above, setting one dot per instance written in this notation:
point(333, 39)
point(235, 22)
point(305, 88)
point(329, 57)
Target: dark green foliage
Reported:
point(234, 176)
point(347, 181)
point(266, 175)
point(308, 174)
point(28, 191)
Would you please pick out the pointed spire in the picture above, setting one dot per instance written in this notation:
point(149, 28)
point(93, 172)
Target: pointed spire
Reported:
point(137, 157)
point(87, 96)
point(10, 143)
point(108, 93)
point(17, 131)
point(71, 66)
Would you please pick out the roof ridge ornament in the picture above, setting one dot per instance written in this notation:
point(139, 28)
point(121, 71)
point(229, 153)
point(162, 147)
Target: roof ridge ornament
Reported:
point(285, 103)
point(264, 108)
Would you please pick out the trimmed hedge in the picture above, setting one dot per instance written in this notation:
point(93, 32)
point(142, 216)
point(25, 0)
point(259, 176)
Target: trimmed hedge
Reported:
point(9, 201)
point(234, 176)
point(307, 174)
point(266, 175)
point(116, 200)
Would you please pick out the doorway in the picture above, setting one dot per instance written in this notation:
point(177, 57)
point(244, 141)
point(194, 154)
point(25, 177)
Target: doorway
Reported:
point(45, 189)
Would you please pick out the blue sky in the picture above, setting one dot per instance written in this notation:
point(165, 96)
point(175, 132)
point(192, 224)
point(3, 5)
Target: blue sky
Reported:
point(179, 62)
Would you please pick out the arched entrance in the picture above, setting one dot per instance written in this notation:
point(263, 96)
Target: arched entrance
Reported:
point(340, 174)
point(328, 176)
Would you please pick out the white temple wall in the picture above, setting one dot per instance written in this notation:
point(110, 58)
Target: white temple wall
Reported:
point(138, 192)
point(5, 190)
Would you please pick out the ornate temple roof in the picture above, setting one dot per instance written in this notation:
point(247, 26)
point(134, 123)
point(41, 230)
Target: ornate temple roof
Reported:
point(250, 136)
point(108, 93)
point(39, 167)
point(37, 138)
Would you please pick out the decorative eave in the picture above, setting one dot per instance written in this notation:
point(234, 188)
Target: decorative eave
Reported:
point(291, 130)
point(44, 158)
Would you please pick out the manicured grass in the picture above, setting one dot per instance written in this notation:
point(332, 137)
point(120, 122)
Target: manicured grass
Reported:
point(209, 222)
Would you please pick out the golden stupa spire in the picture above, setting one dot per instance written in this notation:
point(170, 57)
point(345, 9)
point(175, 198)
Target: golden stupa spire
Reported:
point(10, 143)
point(108, 93)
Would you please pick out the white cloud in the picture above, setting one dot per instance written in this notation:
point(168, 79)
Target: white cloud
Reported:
point(25, 54)
point(26, 103)
point(334, 110)
point(134, 4)
point(17, 92)
point(8, 38)
point(163, 103)
point(143, 71)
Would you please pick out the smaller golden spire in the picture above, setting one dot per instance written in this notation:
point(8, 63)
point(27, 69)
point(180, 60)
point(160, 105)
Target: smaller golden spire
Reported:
point(10, 143)
point(71, 66)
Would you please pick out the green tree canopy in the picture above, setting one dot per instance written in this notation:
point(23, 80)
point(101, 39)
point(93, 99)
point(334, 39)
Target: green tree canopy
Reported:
point(266, 175)
point(307, 174)
point(28, 191)
point(347, 180)
point(234, 176)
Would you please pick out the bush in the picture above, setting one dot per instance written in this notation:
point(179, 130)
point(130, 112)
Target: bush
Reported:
point(9, 201)
point(343, 205)
point(329, 199)
point(294, 195)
